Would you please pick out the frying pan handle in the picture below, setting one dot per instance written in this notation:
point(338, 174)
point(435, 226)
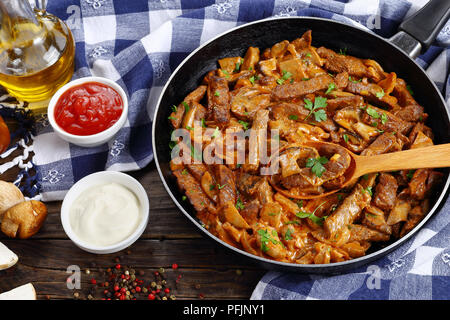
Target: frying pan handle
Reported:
point(418, 32)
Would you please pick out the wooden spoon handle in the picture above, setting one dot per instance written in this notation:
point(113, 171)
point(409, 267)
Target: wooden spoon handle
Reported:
point(429, 157)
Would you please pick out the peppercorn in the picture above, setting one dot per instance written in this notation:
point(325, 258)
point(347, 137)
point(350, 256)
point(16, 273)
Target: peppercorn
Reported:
point(90, 297)
point(153, 284)
point(93, 281)
point(144, 290)
point(172, 297)
point(118, 266)
point(161, 270)
point(166, 290)
point(164, 298)
point(76, 295)
point(151, 296)
point(174, 266)
point(88, 271)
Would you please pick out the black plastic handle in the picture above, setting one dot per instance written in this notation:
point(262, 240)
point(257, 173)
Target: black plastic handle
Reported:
point(425, 24)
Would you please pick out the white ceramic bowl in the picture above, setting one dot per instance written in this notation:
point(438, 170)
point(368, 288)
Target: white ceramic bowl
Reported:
point(99, 178)
point(95, 139)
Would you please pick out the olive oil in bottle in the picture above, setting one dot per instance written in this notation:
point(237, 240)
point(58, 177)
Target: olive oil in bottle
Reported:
point(36, 53)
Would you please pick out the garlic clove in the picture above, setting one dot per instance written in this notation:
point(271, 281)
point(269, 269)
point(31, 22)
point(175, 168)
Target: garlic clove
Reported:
point(25, 292)
point(7, 257)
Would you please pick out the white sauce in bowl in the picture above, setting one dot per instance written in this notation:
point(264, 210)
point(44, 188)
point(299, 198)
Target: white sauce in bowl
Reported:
point(105, 214)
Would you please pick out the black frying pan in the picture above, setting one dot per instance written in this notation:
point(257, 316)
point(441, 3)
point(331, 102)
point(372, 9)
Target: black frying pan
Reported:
point(424, 27)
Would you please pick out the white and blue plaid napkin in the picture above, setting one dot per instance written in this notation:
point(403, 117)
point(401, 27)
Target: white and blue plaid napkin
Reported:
point(139, 43)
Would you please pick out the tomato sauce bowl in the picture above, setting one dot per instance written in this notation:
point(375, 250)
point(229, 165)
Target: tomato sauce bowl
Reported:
point(88, 111)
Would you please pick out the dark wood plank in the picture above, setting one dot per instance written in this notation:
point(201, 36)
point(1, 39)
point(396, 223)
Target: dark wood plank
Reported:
point(201, 262)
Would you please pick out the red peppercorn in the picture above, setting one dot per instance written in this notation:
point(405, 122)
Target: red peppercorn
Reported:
point(122, 297)
point(116, 288)
point(122, 276)
point(151, 296)
point(93, 281)
point(123, 290)
point(118, 266)
point(166, 290)
point(156, 273)
point(105, 292)
point(117, 294)
point(138, 289)
point(174, 266)
point(158, 291)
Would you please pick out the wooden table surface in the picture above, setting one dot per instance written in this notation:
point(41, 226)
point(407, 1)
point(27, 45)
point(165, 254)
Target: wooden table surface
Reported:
point(207, 270)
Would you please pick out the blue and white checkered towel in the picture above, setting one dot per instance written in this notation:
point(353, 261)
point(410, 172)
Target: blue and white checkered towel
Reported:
point(138, 43)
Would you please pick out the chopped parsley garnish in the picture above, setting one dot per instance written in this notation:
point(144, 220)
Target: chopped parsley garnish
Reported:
point(186, 106)
point(217, 94)
point(354, 81)
point(380, 94)
point(215, 133)
point(300, 203)
point(384, 118)
point(195, 154)
point(238, 65)
point(286, 75)
point(273, 214)
point(292, 222)
point(345, 136)
point(375, 124)
point(211, 187)
point(311, 215)
point(184, 172)
point(189, 128)
point(239, 204)
point(308, 55)
point(172, 144)
point(203, 123)
point(174, 108)
point(316, 109)
point(225, 72)
point(252, 79)
point(365, 177)
point(369, 191)
point(410, 174)
point(316, 165)
point(265, 238)
point(305, 79)
point(368, 214)
point(373, 113)
point(288, 234)
point(293, 117)
point(331, 87)
point(408, 87)
point(244, 124)
point(343, 51)
point(220, 187)
point(183, 198)
point(171, 118)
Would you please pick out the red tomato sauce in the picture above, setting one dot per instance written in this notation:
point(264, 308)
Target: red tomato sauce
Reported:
point(88, 108)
